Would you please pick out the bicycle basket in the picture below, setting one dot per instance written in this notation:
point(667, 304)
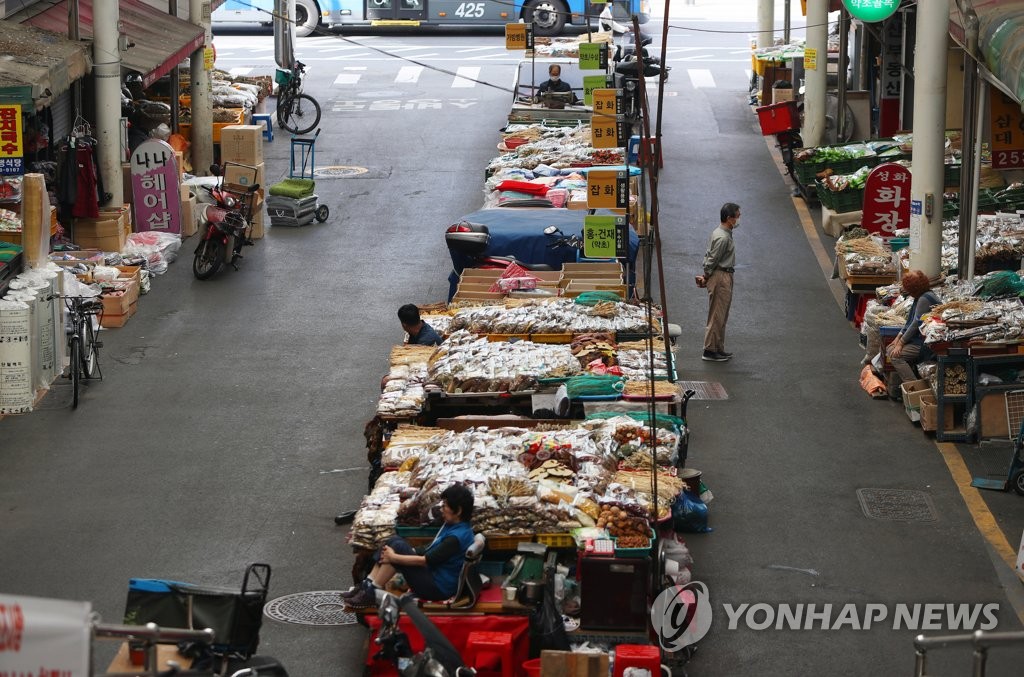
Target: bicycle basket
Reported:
point(282, 77)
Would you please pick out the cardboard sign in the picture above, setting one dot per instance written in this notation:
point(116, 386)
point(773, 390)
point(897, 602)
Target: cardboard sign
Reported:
point(1007, 132)
point(593, 56)
point(156, 190)
point(519, 36)
point(887, 200)
point(592, 82)
point(44, 636)
point(606, 101)
point(605, 132)
point(607, 189)
point(12, 145)
point(605, 237)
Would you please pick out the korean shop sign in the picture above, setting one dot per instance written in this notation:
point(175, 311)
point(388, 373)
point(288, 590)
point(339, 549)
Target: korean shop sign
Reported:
point(605, 237)
point(1007, 123)
point(871, 10)
point(156, 191)
point(12, 148)
point(607, 189)
point(887, 200)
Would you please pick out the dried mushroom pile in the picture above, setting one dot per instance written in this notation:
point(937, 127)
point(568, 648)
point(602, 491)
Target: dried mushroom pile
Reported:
point(523, 481)
point(465, 363)
point(551, 316)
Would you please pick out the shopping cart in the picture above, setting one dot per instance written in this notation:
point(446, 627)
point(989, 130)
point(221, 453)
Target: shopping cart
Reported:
point(304, 149)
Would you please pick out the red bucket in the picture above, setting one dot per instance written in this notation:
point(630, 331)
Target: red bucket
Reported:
point(532, 667)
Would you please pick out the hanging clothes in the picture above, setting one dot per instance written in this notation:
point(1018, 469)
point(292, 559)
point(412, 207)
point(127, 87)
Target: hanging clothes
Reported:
point(80, 185)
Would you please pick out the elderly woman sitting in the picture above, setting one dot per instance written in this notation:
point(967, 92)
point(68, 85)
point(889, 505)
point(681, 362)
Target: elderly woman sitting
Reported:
point(908, 348)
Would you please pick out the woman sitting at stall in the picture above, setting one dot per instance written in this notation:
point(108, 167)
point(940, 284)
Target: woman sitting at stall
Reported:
point(908, 348)
point(432, 572)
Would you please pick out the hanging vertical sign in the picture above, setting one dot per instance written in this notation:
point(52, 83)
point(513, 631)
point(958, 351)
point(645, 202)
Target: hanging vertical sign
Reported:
point(592, 82)
point(605, 237)
point(593, 56)
point(891, 85)
point(12, 146)
point(519, 36)
point(1007, 124)
point(607, 189)
point(606, 131)
point(606, 101)
point(156, 190)
point(887, 200)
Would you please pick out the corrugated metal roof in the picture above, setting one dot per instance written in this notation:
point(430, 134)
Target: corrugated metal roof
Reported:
point(161, 41)
point(47, 62)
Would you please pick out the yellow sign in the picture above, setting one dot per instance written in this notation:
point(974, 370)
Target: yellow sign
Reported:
point(605, 102)
point(208, 58)
point(810, 59)
point(515, 36)
point(604, 131)
point(602, 187)
point(12, 147)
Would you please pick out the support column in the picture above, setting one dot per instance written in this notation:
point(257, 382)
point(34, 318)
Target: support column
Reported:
point(929, 125)
point(815, 81)
point(765, 23)
point(107, 72)
point(202, 104)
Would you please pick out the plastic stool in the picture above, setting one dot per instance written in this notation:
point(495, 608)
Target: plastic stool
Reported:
point(479, 644)
point(637, 656)
point(265, 118)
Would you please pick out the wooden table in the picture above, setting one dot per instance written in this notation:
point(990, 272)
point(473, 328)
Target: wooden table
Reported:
point(165, 653)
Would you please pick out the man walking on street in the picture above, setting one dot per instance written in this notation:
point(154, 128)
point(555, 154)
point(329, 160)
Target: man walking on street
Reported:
point(719, 262)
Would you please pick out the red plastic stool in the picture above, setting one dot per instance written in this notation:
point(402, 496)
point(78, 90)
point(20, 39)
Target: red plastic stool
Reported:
point(637, 656)
point(480, 644)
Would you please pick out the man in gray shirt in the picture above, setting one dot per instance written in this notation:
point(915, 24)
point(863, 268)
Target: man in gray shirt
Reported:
point(719, 262)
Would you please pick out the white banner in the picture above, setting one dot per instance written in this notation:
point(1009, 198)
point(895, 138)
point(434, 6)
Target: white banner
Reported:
point(44, 637)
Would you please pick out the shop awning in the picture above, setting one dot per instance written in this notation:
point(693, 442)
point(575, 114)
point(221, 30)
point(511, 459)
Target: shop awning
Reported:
point(39, 63)
point(161, 41)
point(1000, 39)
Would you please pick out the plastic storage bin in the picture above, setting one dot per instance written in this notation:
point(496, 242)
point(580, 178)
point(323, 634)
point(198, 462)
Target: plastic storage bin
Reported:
point(778, 117)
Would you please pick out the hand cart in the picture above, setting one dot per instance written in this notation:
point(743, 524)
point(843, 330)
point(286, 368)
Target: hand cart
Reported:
point(304, 148)
point(1014, 476)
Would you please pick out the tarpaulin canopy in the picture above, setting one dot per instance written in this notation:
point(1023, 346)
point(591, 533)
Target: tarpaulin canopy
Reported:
point(160, 41)
point(1000, 39)
point(39, 62)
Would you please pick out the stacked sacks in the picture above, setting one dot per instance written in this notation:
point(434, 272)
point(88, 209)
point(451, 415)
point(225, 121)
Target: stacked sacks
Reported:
point(292, 202)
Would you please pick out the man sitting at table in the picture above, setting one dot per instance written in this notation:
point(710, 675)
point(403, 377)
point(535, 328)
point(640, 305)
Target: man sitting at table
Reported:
point(554, 83)
point(420, 333)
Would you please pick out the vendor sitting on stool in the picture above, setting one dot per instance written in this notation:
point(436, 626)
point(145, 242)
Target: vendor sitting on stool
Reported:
point(420, 333)
point(432, 572)
point(554, 83)
point(908, 347)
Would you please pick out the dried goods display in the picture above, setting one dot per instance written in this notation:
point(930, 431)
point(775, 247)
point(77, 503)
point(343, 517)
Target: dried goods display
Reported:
point(636, 364)
point(403, 391)
point(862, 254)
point(550, 316)
point(597, 346)
point(466, 363)
point(956, 380)
point(643, 388)
point(374, 522)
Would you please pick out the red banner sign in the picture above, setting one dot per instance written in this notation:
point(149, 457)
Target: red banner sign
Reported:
point(887, 200)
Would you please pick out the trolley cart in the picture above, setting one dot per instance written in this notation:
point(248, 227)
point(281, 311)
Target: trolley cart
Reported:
point(302, 166)
point(1014, 476)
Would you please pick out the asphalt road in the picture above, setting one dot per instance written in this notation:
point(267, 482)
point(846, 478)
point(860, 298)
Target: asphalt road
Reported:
point(228, 428)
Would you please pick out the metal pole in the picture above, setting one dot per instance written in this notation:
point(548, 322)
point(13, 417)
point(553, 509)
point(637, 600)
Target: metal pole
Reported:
point(172, 9)
point(107, 70)
point(983, 93)
point(971, 128)
point(202, 104)
point(844, 62)
point(765, 23)
point(76, 86)
point(787, 22)
point(816, 79)
point(930, 62)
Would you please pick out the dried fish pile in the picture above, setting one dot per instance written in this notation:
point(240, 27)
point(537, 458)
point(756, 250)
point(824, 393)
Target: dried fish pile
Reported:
point(598, 346)
point(636, 364)
point(469, 364)
point(549, 316)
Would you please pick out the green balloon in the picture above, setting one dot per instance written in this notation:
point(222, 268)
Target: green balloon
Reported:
point(871, 10)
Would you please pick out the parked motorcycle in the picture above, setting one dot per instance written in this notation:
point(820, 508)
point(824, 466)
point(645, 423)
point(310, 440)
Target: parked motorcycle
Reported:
point(226, 226)
point(439, 658)
point(472, 239)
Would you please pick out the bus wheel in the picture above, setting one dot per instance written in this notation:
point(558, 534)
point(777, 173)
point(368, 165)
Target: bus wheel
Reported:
point(307, 17)
point(548, 16)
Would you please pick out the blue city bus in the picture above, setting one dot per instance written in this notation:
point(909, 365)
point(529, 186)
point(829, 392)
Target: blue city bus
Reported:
point(549, 16)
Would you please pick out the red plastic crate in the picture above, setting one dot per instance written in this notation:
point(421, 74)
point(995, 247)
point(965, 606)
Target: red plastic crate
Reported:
point(778, 117)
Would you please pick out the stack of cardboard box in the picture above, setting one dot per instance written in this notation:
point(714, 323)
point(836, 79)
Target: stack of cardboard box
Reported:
point(108, 232)
point(577, 278)
point(243, 145)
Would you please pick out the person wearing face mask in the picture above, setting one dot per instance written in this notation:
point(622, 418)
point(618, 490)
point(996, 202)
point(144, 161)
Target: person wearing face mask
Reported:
point(719, 263)
point(554, 83)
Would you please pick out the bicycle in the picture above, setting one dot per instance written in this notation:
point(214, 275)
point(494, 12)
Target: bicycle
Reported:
point(297, 113)
point(83, 343)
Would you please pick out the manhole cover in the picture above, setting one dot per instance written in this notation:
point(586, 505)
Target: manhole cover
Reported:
point(897, 505)
point(705, 390)
point(323, 607)
point(338, 172)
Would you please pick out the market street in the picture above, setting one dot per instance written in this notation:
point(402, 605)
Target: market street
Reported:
point(228, 428)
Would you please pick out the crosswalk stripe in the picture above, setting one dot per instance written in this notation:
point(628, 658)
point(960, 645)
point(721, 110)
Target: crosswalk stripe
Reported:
point(701, 77)
point(464, 72)
point(240, 71)
point(409, 74)
point(347, 78)
point(748, 74)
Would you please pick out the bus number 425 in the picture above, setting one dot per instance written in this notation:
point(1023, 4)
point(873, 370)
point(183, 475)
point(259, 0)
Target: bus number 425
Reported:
point(470, 9)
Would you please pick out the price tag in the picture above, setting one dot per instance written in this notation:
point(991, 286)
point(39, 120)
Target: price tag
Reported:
point(605, 237)
point(607, 189)
point(592, 82)
point(519, 36)
point(606, 101)
point(593, 56)
point(604, 131)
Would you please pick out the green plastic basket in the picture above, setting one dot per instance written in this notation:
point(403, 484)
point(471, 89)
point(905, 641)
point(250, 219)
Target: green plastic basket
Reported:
point(849, 200)
point(824, 194)
point(282, 77)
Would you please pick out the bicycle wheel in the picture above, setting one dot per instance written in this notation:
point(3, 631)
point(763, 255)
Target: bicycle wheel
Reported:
point(90, 351)
point(76, 368)
point(299, 115)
